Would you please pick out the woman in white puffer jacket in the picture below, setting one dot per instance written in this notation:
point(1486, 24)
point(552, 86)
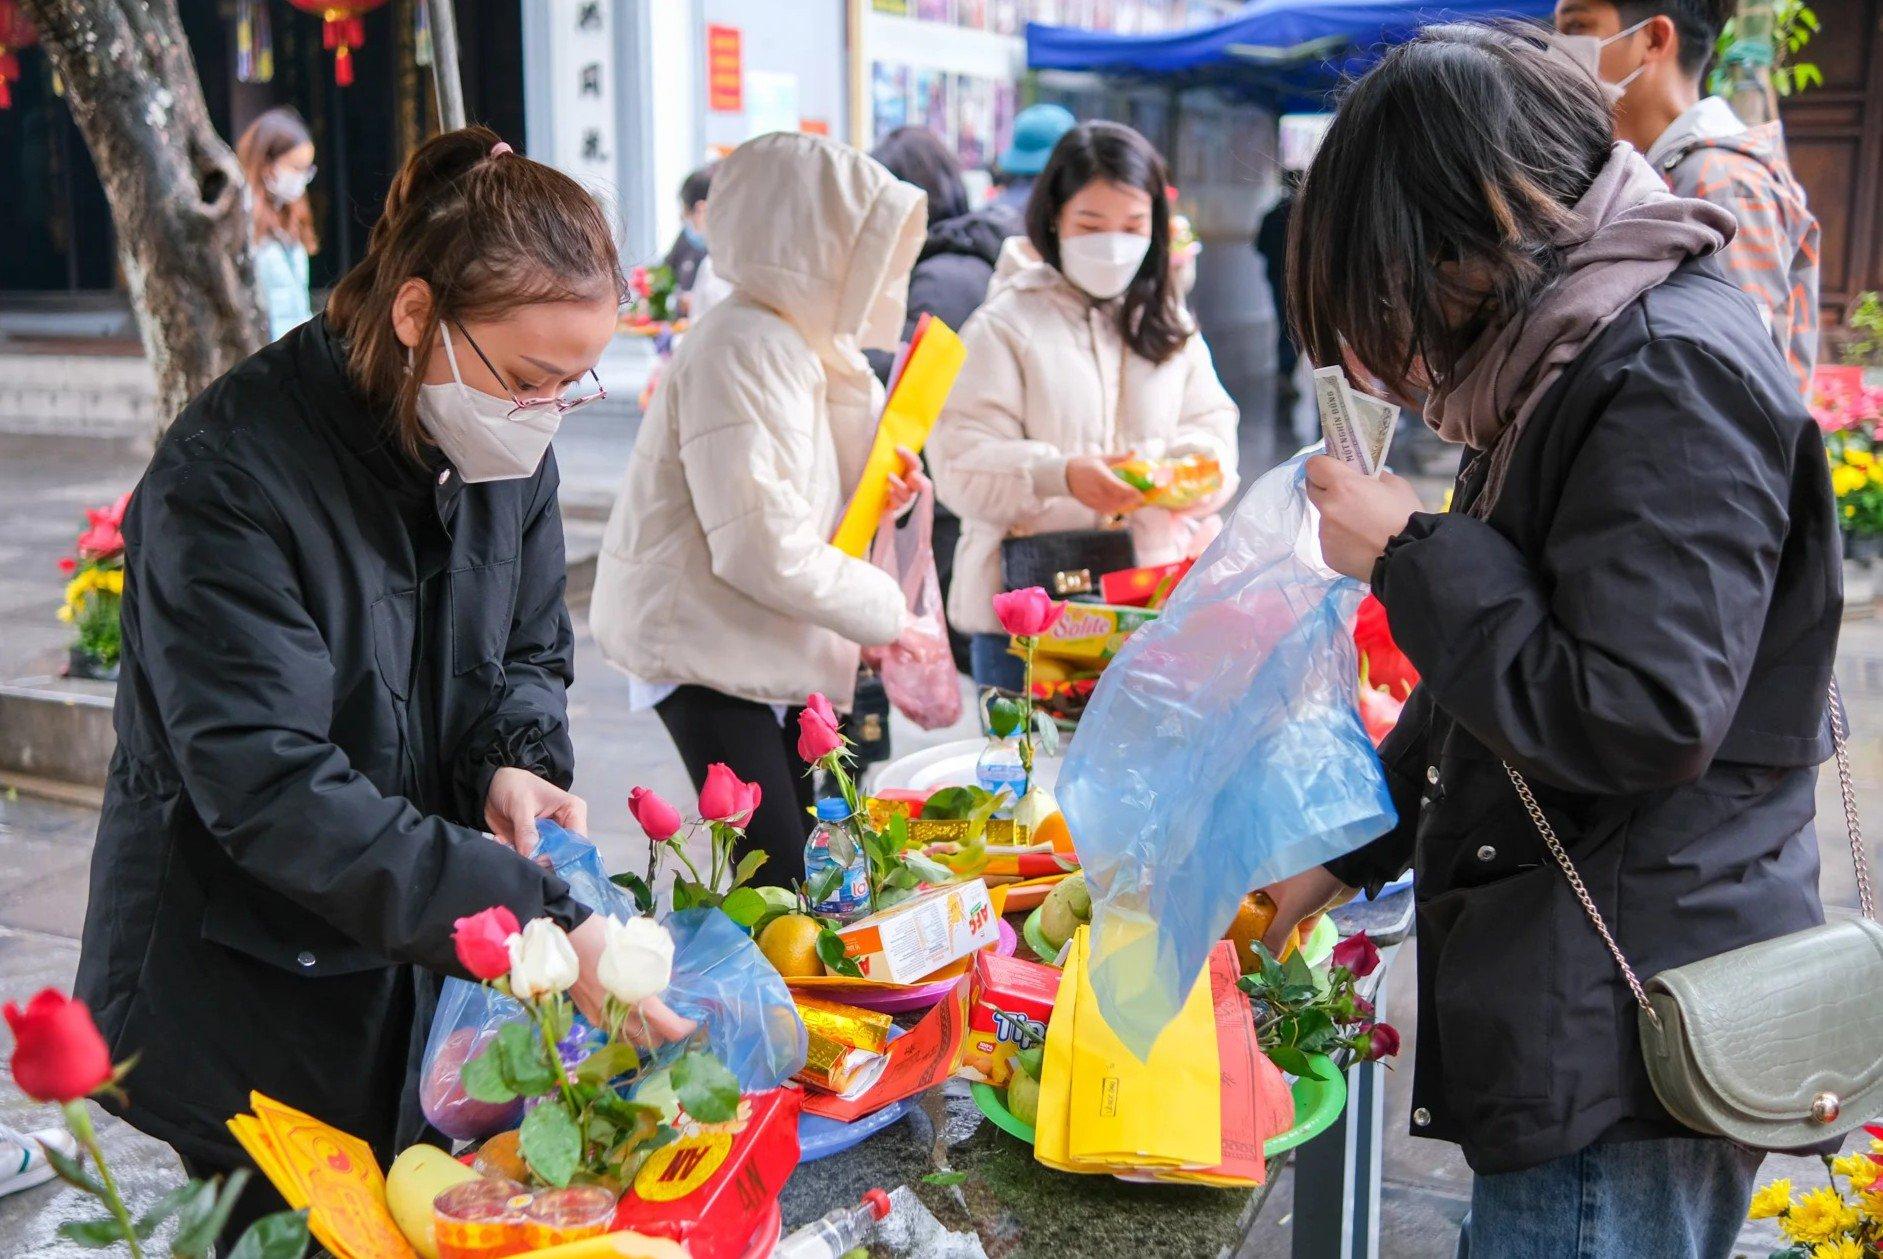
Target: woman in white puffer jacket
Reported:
point(717, 588)
point(1081, 355)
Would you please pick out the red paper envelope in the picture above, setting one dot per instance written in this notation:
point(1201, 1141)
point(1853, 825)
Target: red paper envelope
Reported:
point(917, 1062)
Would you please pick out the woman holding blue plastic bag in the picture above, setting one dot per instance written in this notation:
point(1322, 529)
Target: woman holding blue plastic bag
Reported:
point(1633, 603)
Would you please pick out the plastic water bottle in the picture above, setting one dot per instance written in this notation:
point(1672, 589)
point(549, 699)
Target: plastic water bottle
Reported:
point(999, 769)
point(837, 1233)
point(851, 897)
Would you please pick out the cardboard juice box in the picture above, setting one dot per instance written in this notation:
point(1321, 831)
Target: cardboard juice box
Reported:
point(1092, 633)
point(1010, 1003)
point(915, 939)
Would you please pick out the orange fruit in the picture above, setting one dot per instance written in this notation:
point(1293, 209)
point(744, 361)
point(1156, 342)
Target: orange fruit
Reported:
point(502, 1156)
point(1053, 830)
point(789, 943)
point(1251, 923)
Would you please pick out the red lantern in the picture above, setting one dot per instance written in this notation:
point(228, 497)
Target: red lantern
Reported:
point(343, 28)
point(15, 33)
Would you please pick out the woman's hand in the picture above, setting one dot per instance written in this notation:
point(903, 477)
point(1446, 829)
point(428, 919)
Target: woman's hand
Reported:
point(1297, 896)
point(1089, 479)
point(648, 1024)
point(517, 798)
point(1359, 515)
point(904, 487)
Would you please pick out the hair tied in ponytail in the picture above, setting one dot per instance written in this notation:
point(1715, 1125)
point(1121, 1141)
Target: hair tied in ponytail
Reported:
point(498, 149)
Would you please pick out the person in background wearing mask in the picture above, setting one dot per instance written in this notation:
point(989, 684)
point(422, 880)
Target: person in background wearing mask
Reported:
point(1651, 57)
point(346, 655)
point(1081, 355)
point(718, 590)
point(689, 247)
point(277, 157)
point(1036, 129)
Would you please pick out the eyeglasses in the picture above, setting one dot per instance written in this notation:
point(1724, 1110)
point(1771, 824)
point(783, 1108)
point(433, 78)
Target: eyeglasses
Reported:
point(559, 406)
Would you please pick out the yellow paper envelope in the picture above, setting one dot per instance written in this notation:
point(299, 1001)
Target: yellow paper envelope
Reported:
point(908, 415)
point(1050, 1126)
point(334, 1174)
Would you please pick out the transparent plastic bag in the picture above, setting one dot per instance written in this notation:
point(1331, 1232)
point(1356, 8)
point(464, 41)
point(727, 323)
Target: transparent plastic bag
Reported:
point(720, 980)
point(918, 670)
point(1221, 751)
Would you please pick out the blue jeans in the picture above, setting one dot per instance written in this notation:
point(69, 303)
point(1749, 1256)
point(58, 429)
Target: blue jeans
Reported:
point(1672, 1198)
point(990, 664)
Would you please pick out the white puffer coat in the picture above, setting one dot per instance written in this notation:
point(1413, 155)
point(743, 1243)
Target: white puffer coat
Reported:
point(716, 568)
point(1048, 378)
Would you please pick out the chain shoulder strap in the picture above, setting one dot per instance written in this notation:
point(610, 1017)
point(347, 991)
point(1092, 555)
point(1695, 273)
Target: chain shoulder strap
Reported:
point(1865, 898)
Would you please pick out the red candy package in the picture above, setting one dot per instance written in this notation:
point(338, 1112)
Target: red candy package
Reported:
point(708, 1189)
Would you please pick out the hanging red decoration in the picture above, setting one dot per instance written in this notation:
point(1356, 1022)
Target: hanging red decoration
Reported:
point(15, 33)
point(343, 28)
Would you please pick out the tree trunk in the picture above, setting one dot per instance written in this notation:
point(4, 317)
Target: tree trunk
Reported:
point(179, 203)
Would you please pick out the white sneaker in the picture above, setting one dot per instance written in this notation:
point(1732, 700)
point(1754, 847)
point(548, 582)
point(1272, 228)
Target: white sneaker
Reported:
point(22, 1163)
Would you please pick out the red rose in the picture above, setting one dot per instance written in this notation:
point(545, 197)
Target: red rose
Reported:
point(726, 798)
point(1027, 613)
point(482, 942)
point(1382, 1041)
point(658, 818)
point(58, 1055)
point(68, 565)
point(1358, 954)
point(817, 738)
point(1386, 666)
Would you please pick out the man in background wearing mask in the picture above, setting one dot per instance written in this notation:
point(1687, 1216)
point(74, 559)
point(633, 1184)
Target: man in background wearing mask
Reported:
point(1652, 56)
point(689, 247)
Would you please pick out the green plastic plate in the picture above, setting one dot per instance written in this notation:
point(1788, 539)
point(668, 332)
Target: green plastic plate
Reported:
point(1319, 1097)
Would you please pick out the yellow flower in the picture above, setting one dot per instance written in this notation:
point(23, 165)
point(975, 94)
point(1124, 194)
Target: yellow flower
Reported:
point(1857, 458)
point(1862, 1172)
point(1771, 1201)
point(1848, 480)
point(1872, 1203)
point(1850, 511)
point(1819, 1216)
point(111, 580)
point(65, 613)
point(1876, 474)
point(1846, 1248)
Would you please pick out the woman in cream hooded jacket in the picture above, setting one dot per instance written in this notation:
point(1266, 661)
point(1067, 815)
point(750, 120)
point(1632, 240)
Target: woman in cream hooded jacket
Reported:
point(1049, 377)
point(717, 588)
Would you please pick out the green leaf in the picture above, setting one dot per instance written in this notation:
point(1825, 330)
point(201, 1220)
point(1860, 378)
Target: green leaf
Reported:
point(947, 1180)
point(891, 896)
point(1047, 730)
point(635, 1120)
point(1004, 717)
point(708, 1091)
point(902, 879)
point(551, 1144)
point(1290, 1059)
point(952, 804)
point(613, 1059)
point(525, 1067)
point(821, 888)
point(843, 846)
point(1297, 971)
point(72, 1172)
point(744, 905)
point(282, 1235)
point(482, 1078)
point(164, 1208)
point(830, 952)
point(636, 886)
point(897, 831)
point(93, 1234)
point(927, 869)
point(202, 1218)
point(748, 866)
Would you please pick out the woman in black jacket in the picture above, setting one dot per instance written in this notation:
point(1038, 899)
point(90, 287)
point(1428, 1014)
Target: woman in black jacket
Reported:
point(345, 660)
point(1633, 601)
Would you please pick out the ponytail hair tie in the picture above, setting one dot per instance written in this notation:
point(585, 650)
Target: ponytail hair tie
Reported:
point(500, 148)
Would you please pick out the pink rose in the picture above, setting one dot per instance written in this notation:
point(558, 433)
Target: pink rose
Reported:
point(1358, 954)
point(482, 942)
point(1027, 613)
point(658, 818)
point(725, 798)
point(818, 704)
point(817, 738)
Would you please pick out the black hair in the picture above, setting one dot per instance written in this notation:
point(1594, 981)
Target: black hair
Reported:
point(916, 155)
point(695, 187)
point(1150, 318)
point(1469, 145)
point(1698, 23)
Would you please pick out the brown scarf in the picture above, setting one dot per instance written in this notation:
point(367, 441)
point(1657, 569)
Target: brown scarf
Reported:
point(1631, 233)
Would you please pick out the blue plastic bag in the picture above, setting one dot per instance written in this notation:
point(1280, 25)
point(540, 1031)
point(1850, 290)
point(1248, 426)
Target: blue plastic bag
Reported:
point(720, 980)
point(1222, 750)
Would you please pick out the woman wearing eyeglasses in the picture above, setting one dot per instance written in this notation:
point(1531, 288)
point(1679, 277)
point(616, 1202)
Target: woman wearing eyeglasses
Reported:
point(344, 670)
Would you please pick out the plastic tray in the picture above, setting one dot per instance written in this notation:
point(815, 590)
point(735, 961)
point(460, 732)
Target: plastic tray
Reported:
point(1319, 948)
point(918, 997)
point(951, 764)
point(821, 1137)
point(1318, 1095)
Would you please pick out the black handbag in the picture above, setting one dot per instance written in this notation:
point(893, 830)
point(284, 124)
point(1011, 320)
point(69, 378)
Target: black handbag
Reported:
point(866, 725)
point(1068, 562)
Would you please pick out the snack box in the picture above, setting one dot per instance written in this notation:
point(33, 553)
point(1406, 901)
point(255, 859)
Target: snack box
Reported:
point(1010, 1002)
point(915, 939)
point(708, 1189)
point(1092, 632)
point(1136, 587)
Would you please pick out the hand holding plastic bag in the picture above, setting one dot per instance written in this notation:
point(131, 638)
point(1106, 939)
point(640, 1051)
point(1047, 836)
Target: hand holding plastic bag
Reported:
point(1221, 751)
point(720, 980)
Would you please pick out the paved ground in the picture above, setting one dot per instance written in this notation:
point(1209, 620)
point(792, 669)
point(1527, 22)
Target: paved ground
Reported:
point(45, 848)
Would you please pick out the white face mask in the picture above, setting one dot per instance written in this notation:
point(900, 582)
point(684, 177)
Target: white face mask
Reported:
point(1586, 51)
point(476, 432)
point(287, 186)
point(1103, 263)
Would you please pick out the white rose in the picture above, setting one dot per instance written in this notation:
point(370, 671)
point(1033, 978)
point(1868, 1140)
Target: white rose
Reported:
point(636, 960)
point(542, 961)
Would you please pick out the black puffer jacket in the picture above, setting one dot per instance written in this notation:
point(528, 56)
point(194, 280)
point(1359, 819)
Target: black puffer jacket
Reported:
point(328, 651)
point(1645, 627)
point(952, 272)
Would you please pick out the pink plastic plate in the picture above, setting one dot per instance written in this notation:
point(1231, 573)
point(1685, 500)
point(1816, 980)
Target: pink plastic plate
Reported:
point(922, 996)
point(764, 1239)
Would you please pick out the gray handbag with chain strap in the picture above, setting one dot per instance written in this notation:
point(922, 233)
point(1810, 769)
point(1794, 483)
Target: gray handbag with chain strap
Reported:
point(1776, 1045)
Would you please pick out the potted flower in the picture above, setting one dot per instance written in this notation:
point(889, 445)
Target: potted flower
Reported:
point(1839, 1220)
point(94, 588)
point(1849, 414)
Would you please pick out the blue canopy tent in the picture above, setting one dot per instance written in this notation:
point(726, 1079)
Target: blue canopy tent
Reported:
point(1284, 54)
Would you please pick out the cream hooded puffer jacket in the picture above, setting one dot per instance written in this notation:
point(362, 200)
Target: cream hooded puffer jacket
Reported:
point(1048, 378)
point(716, 568)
